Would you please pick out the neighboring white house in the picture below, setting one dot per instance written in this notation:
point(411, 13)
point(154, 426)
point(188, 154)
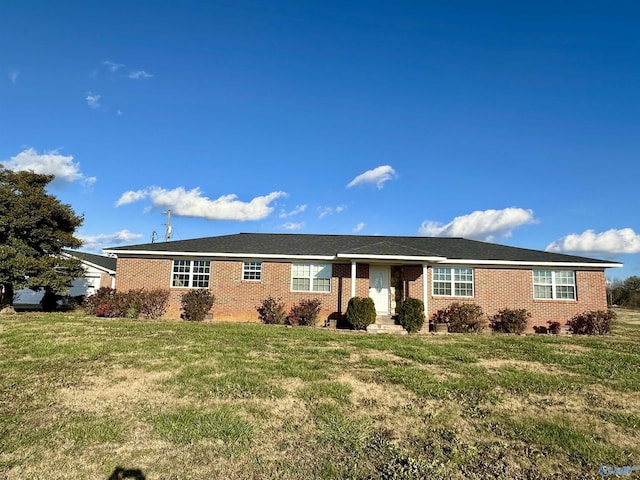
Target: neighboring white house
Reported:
point(100, 271)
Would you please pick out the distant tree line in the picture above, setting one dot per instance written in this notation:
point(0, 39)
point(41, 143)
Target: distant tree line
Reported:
point(624, 293)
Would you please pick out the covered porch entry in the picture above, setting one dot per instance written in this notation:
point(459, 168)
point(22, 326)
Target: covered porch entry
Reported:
point(389, 285)
point(393, 272)
point(385, 290)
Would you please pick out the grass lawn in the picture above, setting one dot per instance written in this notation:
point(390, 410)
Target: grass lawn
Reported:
point(82, 396)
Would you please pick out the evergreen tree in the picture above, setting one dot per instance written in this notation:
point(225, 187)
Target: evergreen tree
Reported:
point(34, 229)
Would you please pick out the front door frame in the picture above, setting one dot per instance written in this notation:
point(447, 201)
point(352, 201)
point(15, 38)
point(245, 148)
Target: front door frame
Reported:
point(380, 287)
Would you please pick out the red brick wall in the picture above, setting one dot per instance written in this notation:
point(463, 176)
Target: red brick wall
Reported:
point(497, 288)
point(236, 299)
point(148, 273)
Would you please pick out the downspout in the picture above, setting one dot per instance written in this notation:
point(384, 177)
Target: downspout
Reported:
point(425, 288)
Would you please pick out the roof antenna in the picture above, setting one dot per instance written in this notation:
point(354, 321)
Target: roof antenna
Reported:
point(154, 236)
point(167, 234)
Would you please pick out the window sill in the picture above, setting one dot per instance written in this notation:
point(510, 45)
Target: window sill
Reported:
point(555, 300)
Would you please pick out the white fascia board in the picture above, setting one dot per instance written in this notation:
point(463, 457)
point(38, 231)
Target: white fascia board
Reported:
point(98, 267)
point(532, 264)
point(391, 257)
point(149, 253)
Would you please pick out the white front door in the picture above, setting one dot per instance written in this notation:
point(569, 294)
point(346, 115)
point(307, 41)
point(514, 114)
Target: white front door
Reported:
point(379, 283)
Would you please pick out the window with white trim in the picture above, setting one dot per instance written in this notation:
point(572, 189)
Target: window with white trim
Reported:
point(554, 285)
point(311, 277)
point(452, 281)
point(252, 271)
point(191, 273)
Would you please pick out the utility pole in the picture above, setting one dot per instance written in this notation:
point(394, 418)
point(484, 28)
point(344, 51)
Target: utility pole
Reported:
point(167, 233)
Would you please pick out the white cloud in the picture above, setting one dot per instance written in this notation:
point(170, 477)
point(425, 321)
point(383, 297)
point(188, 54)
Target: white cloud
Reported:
point(49, 163)
point(480, 225)
point(324, 211)
point(191, 203)
point(358, 227)
point(13, 76)
point(131, 196)
point(293, 226)
point(93, 100)
point(295, 211)
point(96, 242)
point(377, 176)
point(611, 242)
point(113, 67)
point(139, 75)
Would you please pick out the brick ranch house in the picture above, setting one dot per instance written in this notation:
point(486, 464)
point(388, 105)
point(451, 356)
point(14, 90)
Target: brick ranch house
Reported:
point(242, 270)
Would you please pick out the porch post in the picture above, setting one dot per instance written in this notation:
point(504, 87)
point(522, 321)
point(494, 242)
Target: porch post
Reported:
point(425, 289)
point(353, 278)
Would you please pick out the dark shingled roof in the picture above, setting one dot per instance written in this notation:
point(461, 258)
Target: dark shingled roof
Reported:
point(257, 244)
point(386, 248)
point(103, 261)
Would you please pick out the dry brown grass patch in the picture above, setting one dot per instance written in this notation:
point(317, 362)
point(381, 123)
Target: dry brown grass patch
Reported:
point(117, 391)
point(495, 364)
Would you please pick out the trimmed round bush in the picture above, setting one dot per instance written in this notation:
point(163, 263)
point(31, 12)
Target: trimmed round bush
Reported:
point(361, 312)
point(411, 314)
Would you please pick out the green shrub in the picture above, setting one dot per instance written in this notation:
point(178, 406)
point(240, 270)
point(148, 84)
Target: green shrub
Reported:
point(461, 317)
point(361, 312)
point(272, 311)
point(510, 320)
point(196, 304)
point(305, 313)
point(411, 314)
point(594, 322)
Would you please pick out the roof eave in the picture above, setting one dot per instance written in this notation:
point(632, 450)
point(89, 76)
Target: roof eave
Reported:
point(521, 263)
point(172, 254)
point(391, 258)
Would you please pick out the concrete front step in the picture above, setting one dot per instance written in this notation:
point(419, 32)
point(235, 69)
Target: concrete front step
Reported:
point(386, 328)
point(384, 320)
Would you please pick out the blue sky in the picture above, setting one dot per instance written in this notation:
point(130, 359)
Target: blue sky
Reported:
point(511, 122)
